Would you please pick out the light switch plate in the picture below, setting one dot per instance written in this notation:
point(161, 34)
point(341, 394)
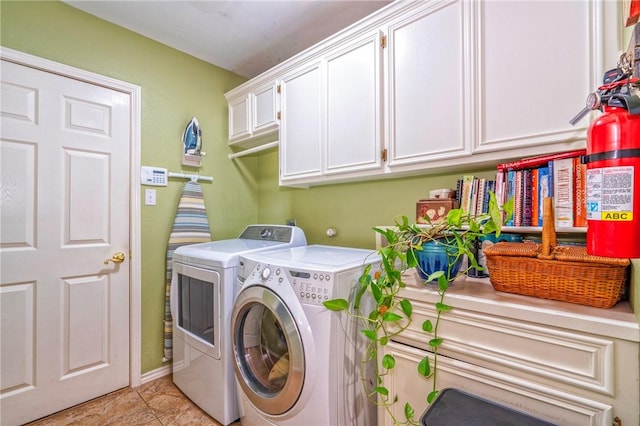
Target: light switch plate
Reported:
point(150, 197)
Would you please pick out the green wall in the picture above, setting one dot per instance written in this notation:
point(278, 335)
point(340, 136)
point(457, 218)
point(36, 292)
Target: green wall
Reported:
point(352, 208)
point(176, 86)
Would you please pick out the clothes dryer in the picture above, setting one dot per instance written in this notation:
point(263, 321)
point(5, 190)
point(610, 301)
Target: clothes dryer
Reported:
point(296, 362)
point(202, 294)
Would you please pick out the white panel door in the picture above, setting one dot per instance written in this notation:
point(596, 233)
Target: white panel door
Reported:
point(301, 130)
point(428, 71)
point(264, 109)
point(354, 108)
point(239, 118)
point(64, 191)
point(533, 81)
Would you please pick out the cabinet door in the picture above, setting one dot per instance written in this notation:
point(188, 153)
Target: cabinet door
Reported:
point(428, 69)
point(354, 118)
point(301, 130)
point(534, 76)
point(265, 109)
point(239, 118)
point(547, 403)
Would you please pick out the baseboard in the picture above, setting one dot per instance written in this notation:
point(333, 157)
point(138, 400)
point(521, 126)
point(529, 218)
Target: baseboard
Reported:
point(165, 370)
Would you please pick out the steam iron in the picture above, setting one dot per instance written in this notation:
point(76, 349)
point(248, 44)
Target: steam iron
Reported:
point(192, 144)
point(192, 138)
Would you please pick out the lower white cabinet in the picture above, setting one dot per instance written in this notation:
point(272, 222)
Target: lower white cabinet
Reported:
point(564, 363)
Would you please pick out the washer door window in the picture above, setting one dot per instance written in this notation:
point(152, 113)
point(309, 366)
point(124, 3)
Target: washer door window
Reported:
point(269, 357)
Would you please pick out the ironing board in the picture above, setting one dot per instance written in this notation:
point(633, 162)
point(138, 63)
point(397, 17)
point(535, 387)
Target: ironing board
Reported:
point(190, 226)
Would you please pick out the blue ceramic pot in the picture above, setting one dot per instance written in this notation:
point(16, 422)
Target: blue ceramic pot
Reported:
point(436, 256)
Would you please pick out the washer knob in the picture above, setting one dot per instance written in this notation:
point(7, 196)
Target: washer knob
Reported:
point(265, 273)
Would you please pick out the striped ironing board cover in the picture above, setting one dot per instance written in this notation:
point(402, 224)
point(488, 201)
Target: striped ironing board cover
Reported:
point(190, 226)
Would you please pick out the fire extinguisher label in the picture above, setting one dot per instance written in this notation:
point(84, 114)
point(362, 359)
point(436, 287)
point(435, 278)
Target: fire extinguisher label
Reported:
point(610, 193)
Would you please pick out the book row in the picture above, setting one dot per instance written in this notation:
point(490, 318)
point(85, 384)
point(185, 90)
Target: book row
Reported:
point(528, 181)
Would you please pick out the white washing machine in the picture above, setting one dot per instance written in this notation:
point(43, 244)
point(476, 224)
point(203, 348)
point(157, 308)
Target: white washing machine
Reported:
point(296, 362)
point(202, 294)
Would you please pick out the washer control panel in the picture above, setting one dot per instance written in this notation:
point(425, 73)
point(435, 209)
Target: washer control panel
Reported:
point(311, 287)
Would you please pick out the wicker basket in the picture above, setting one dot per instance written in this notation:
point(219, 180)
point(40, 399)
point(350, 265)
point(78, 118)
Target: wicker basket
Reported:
point(549, 271)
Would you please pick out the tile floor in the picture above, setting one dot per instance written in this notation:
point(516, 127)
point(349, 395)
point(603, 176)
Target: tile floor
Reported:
point(156, 403)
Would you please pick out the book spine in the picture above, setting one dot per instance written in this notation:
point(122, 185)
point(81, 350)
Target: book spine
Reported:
point(527, 201)
point(580, 208)
point(550, 165)
point(467, 189)
point(511, 191)
point(490, 187)
point(500, 190)
point(518, 198)
point(534, 197)
point(482, 186)
point(531, 162)
point(544, 186)
point(474, 197)
point(459, 192)
point(563, 191)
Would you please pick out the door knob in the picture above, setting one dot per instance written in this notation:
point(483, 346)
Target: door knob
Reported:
point(118, 257)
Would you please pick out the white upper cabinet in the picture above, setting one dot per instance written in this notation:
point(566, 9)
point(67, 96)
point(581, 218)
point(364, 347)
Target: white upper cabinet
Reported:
point(332, 115)
point(239, 117)
point(301, 131)
point(436, 85)
point(264, 109)
point(537, 62)
point(253, 114)
point(428, 66)
point(353, 106)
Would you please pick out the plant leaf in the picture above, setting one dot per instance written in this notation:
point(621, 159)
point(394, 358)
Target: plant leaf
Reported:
point(427, 326)
point(434, 276)
point(366, 275)
point(370, 334)
point(406, 307)
point(454, 217)
point(374, 315)
point(391, 317)
point(412, 258)
point(361, 291)
point(376, 293)
point(408, 411)
point(442, 307)
point(388, 361)
point(336, 304)
point(381, 390)
point(424, 367)
point(434, 343)
point(432, 396)
point(443, 283)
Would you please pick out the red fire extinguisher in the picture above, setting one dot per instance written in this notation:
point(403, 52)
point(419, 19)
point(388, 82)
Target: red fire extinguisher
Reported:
point(613, 169)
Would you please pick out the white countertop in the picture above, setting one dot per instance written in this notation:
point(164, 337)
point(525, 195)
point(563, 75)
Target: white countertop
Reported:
point(479, 295)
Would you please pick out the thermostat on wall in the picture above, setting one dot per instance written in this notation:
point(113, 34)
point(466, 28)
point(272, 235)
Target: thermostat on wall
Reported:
point(155, 176)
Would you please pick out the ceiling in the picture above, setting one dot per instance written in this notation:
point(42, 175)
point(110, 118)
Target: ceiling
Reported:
point(245, 37)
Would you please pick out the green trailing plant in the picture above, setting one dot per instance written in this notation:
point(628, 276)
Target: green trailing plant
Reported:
point(392, 314)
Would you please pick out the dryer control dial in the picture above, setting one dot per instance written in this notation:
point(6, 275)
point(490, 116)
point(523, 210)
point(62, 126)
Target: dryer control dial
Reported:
point(266, 272)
